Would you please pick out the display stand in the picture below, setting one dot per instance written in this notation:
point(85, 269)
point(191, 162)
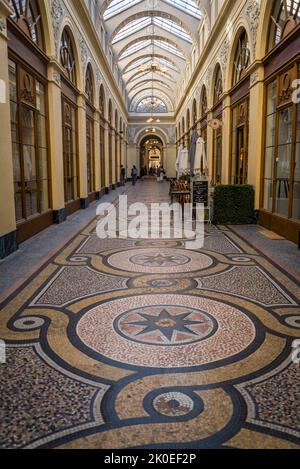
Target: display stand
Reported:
point(201, 195)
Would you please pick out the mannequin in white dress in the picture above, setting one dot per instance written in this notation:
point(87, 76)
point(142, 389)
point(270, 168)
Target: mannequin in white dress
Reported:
point(200, 166)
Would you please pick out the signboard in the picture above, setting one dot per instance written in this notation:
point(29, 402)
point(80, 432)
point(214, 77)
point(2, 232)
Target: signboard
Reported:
point(200, 193)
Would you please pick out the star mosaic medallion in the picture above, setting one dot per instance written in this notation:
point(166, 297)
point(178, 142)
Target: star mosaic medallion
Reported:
point(160, 260)
point(165, 325)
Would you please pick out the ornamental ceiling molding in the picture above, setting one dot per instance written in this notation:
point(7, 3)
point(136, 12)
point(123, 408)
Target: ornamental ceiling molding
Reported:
point(252, 14)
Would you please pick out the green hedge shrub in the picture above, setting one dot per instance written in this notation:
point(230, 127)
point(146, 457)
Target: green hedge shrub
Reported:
point(234, 205)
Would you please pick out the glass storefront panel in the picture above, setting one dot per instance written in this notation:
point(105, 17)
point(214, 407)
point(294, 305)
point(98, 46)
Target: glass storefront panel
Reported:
point(29, 149)
point(284, 161)
point(271, 97)
point(31, 198)
point(269, 162)
point(282, 197)
point(270, 130)
point(268, 189)
point(285, 128)
point(296, 200)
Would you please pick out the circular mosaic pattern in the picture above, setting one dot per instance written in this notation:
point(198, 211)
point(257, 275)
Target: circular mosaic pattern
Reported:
point(29, 323)
point(160, 261)
point(103, 329)
point(173, 404)
point(165, 325)
point(293, 321)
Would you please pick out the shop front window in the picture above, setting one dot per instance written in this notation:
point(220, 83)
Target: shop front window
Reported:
point(239, 152)
point(281, 180)
point(29, 143)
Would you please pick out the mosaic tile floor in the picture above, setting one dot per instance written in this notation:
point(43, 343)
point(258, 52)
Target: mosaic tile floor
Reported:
point(145, 344)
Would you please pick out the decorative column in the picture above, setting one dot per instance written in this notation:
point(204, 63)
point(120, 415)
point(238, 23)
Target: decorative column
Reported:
point(83, 191)
point(256, 126)
point(113, 160)
point(209, 146)
point(8, 233)
point(97, 154)
point(226, 139)
point(56, 143)
point(117, 158)
point(107, 156)
point(170, 157)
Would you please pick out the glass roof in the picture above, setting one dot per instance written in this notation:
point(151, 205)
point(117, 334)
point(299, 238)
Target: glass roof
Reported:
point(141, 23)
point(146, 105)
point(131, 28)
point(166, 46)
point(148, 74)
point(135, 47)
point(173, 28)
point(151, 42)
point(188, 6)
point(117, 6)
point(150, 81)
point(151, 30)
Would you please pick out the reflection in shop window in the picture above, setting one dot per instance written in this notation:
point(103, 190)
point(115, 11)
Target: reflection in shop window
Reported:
point(29, 144)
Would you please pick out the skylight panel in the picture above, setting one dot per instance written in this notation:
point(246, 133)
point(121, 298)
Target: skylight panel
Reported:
point(173, 28)
point(166, 46)
point(188, 6)
point(167, 64)
point(152, 104)
point(131, 28)
point(137, 63)
point(135, 48)
point(117, 6)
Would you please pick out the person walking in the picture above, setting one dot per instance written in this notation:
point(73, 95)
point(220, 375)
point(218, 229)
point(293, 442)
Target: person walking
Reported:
point(142, 174)
point(122, 175)
point(134, 175)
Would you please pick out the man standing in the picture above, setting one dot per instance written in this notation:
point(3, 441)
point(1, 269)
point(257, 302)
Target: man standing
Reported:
point(122, 175)
point(134, 175)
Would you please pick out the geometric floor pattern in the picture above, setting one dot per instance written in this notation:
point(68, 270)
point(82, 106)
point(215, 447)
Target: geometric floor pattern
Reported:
point(146, 344)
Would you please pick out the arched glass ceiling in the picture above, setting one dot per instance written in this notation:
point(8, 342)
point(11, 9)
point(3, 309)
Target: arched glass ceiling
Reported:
point(148, 74)
point(151, 41)
point(141, 23)
point(117, 6)
point(151, 104)
point(149, 81)
point(135, 48)
point(188, 6)
point(143, 43)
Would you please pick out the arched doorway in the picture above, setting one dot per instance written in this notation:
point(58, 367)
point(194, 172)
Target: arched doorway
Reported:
point(151, 153)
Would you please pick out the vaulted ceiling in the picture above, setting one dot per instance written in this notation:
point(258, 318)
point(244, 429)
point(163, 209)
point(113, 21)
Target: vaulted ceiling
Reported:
point(151, 41)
